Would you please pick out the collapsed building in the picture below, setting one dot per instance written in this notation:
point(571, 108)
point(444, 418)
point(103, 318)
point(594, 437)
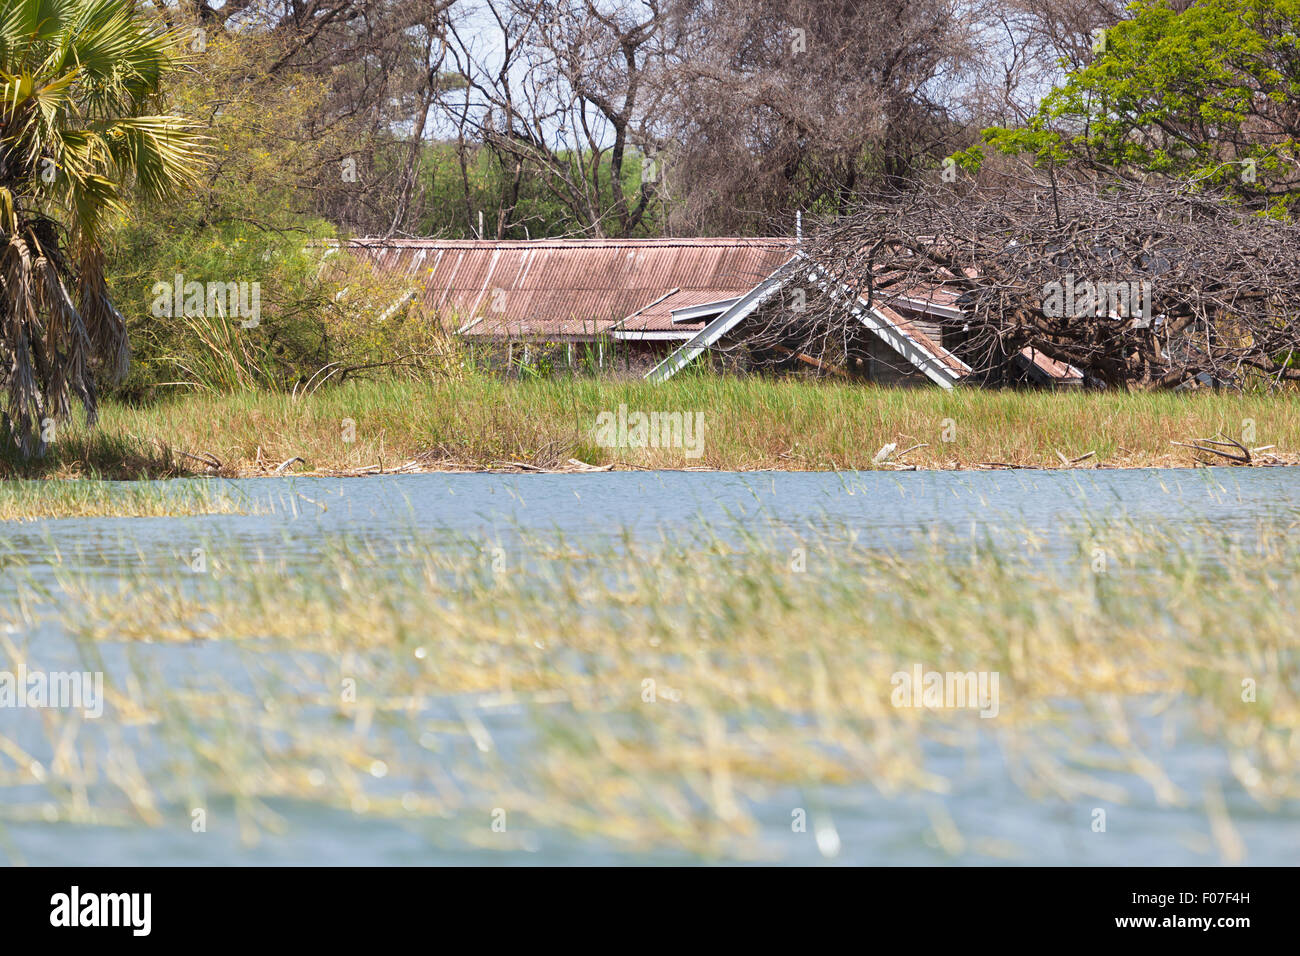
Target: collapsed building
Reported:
point(655, 306)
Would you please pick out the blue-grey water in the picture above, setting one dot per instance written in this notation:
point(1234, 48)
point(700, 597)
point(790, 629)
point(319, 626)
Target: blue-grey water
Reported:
point(852, 824)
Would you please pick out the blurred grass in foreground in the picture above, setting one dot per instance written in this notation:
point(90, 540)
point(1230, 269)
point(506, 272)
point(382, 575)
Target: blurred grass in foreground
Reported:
point(83, 498)
point(374, 677)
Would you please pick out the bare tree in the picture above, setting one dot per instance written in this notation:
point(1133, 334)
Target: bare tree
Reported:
point(781, 104)
point(1026, 47)
point(561, 92)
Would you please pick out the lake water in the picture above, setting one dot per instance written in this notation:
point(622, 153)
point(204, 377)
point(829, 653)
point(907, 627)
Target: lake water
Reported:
point(300, 514)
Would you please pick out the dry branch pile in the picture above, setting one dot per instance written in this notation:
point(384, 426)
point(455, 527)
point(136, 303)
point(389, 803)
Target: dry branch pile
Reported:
point(1135, 284)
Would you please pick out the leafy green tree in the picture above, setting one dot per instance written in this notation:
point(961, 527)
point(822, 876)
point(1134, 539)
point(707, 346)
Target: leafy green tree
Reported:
point(1211, 93)
point(78, 82)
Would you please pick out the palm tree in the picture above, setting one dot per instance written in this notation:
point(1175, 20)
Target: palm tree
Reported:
point(78, 81)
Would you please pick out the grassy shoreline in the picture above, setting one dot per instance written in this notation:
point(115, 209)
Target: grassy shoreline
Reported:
point(481, 424)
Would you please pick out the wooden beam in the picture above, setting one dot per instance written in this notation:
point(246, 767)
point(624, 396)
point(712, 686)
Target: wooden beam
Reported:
point(809, 360)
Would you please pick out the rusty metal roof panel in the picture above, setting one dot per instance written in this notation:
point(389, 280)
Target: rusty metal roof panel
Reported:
point(1050, 369)
point(571, 286)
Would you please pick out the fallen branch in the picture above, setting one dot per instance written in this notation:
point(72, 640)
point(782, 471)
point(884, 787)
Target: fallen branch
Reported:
point(1205, 445)
point(577, 465)
point(1068, 462)
point(209, 459)
point(810, 360)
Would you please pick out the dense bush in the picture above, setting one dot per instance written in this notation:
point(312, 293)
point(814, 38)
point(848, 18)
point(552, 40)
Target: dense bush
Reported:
point(320, 314)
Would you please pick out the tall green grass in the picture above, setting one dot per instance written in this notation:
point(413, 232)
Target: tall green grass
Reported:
point(479, 421)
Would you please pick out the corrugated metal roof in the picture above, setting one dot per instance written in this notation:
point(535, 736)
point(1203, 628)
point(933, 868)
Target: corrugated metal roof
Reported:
point(660, 315)
point(572, 287)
